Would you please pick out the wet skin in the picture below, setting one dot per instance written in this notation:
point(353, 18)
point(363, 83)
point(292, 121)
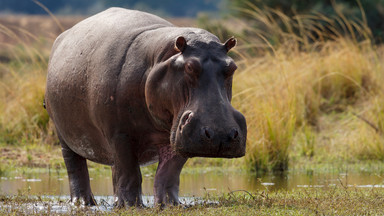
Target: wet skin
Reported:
point(127, 88)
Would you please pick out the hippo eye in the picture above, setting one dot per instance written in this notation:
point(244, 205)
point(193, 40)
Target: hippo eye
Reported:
point(189, 68)
point(192, 67)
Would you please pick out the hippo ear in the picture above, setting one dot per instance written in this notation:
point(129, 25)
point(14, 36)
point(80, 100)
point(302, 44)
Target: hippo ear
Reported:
point(230, 43)
point(180, 44)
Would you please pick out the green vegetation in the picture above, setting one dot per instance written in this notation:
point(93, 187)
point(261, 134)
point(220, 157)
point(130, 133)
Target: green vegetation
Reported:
point(336, 200)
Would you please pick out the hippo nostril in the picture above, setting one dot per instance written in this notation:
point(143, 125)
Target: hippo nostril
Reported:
point(207, 133)
point(233, 134)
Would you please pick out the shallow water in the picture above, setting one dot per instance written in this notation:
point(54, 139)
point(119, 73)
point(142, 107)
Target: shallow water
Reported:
point(61, 204)
point(192, 184)
point(53, 188)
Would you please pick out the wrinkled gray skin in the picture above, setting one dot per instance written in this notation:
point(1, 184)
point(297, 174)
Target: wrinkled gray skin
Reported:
point(127, 88)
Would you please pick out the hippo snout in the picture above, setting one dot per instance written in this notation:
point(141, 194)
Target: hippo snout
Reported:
point(205, 137)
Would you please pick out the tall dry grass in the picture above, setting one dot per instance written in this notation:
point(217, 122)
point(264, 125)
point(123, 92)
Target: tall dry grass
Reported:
point(313, 89)
point(23, 120)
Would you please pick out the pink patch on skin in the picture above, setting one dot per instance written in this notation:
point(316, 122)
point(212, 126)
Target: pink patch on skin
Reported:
point(165, 154)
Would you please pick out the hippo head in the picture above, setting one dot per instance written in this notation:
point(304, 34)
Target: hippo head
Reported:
point(190, 94)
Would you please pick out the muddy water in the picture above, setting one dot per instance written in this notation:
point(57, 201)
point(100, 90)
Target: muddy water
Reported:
point(191, 184)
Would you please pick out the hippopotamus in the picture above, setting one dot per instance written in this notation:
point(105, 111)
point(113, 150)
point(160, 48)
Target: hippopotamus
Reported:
point(127, 88)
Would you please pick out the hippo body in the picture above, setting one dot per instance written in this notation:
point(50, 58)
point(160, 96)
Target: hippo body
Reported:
point(127, 88)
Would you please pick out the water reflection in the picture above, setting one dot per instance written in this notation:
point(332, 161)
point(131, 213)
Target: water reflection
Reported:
point(191, 184)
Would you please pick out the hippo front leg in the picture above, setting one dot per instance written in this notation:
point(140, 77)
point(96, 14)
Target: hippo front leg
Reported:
point(167, 179)
point(126, 173)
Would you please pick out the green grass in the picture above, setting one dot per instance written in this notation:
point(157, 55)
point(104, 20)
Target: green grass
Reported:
point(336, 200)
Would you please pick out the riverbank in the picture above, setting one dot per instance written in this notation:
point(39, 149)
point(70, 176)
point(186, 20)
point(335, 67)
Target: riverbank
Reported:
point(307, 188)
point(334, 200)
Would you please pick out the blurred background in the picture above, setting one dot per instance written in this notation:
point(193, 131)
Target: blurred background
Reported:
point(170, 8)
point(208, 9)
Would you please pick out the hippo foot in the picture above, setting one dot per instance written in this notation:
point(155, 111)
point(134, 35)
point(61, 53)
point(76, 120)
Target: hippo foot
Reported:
point(121, 203)
point(163, 205)
point(83, 201)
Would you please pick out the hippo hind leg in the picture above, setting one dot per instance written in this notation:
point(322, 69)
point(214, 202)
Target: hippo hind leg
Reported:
point(78, 176)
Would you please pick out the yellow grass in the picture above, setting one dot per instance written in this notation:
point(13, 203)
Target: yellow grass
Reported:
point(325, 102)
point(22, 88)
